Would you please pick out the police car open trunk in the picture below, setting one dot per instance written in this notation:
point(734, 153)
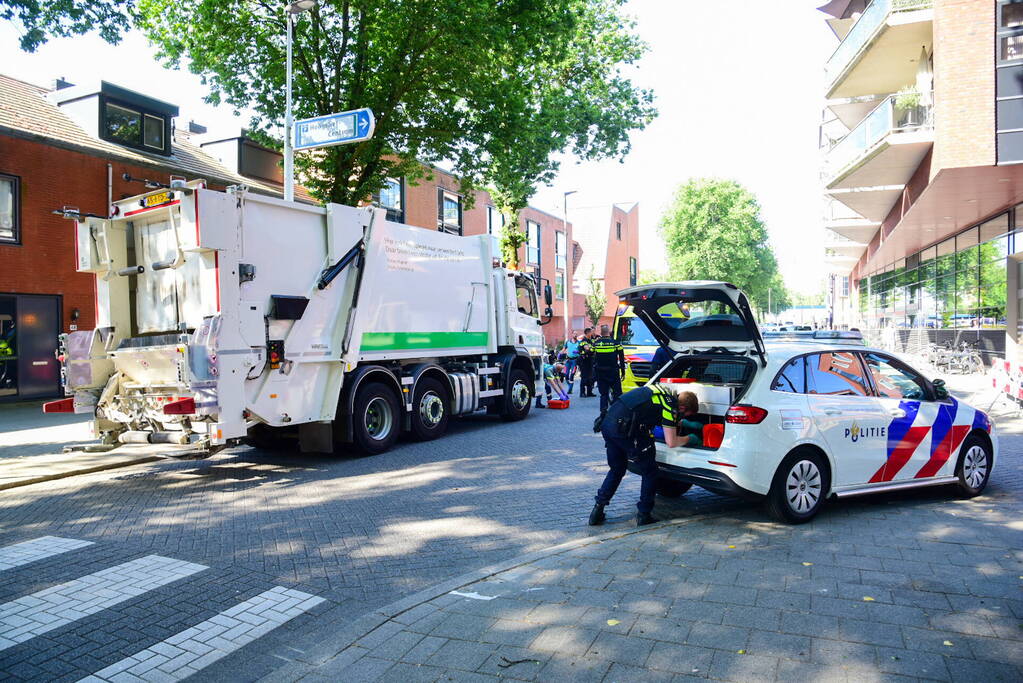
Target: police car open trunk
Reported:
point(711, 329)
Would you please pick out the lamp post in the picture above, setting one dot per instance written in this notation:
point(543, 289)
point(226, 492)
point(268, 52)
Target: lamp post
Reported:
point(291, 9)
point(568, 261)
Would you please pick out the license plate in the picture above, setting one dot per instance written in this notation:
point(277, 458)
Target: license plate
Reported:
point(157, 199)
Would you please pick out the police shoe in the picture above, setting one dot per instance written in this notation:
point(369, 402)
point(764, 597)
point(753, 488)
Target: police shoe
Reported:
point(644, 518)
point(597, 515)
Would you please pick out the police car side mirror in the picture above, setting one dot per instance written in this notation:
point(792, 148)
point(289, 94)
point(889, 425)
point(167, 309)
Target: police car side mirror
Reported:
point(940, 390)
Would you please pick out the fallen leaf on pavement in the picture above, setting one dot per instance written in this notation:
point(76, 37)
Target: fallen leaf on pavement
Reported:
point(808, 564)
point(947, 643)
point(867, 598)
point(613, 622)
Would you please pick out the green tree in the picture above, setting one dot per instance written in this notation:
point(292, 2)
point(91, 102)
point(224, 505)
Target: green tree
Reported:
point(492, 88)
point(42, 19)
point(648, 276)
point(712, 230)
point(596, 301)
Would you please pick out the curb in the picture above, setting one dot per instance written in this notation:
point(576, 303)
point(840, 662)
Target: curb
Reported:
point(74, 473)
point(367, 623)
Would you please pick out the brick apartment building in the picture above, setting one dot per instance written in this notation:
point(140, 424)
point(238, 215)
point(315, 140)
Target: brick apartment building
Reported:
point(923, 137)
point(609, 236)
point(70, 147)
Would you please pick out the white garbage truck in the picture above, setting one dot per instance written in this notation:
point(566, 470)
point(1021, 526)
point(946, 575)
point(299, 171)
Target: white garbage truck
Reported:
point(226, 316)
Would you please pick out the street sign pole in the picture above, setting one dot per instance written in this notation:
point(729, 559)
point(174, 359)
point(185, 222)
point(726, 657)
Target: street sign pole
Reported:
point(289, 152)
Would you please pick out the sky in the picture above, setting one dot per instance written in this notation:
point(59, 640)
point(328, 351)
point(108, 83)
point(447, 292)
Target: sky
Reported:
point(739, 87)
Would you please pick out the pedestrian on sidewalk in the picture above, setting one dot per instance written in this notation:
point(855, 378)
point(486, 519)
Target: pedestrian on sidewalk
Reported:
point(586, 364)
point(627, 431)
point(609, 367)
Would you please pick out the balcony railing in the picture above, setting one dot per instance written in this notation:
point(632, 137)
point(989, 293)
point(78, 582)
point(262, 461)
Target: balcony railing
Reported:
point(864, 30)
point(885, 119)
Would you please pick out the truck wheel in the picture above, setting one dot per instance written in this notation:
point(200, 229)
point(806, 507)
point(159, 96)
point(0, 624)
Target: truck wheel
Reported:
point(375, 420)
point(799, 488)
point(669, 488)
point(429, 409)
point(518, 396)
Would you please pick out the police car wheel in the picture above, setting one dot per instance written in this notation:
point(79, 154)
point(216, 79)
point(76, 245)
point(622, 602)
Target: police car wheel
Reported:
point(669, 488)
point(974, 466)
point(429, 410)
point(375, 419)
point(799, 488)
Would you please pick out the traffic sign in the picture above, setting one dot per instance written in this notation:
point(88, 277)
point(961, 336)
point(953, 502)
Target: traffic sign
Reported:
point(335, 129)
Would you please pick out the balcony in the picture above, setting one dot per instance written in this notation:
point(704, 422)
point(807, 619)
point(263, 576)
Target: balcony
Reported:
point(880, 51)
point(867, 169)
point(842, 221)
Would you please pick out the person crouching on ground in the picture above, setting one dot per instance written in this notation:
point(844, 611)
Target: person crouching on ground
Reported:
point(627, 428)
point(551, 372)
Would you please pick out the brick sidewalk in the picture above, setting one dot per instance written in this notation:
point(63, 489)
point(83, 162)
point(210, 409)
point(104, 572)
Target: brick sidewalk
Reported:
point(917, 586)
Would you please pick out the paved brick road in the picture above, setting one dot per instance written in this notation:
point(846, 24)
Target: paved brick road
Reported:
point(356, 532)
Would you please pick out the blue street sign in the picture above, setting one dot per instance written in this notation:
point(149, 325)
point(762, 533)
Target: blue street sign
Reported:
point(335, 129)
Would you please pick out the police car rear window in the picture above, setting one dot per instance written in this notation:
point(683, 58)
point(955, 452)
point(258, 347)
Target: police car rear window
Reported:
point(792, 377)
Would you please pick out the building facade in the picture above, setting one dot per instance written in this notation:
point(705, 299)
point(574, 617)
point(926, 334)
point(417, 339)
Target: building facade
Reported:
point(610, 260)
point(923, 139)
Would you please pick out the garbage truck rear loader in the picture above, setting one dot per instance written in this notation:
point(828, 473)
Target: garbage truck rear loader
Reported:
point(230, 315)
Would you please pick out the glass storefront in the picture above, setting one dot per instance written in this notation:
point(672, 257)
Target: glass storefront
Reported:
point(956, 284)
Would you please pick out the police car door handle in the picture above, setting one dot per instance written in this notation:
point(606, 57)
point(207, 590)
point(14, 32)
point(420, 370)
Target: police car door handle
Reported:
point(831, 411)
point(897, 412)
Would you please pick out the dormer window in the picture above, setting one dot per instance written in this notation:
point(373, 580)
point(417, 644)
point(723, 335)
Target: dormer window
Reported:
point(134, 127)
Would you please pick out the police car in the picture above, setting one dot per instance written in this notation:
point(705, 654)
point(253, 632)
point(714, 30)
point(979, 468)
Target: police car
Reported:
point(800, 421)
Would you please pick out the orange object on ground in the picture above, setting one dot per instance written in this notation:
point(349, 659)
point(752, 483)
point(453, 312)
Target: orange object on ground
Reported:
point(677, 380)
point(713, 435)
point(557, 403)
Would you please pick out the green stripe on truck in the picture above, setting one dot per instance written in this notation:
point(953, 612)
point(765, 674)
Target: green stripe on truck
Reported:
point(400, 341)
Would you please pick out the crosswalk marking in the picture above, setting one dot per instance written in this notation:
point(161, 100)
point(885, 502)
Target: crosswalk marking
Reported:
point(32, 615)
point(37, 549)
point(195, 648)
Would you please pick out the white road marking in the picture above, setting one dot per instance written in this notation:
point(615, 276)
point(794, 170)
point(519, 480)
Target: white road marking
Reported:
point(37, 549)
point(195, 648)
point(33, 615)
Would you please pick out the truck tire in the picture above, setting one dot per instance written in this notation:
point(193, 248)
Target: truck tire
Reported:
point(518, 396)
point(376, 419)
point(430, 409)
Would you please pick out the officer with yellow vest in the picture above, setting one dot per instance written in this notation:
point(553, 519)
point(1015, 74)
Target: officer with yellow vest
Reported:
point(608, 366)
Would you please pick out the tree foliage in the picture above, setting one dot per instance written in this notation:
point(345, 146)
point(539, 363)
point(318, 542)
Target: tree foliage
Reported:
point(596, 301)
point(491, 88)
point(42, 19)
point(648, 276)
point(712, 230)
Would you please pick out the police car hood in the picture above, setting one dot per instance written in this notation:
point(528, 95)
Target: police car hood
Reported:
point(697, 315)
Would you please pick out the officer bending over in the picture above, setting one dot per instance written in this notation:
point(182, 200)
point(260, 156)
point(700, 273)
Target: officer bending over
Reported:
point(627, 435)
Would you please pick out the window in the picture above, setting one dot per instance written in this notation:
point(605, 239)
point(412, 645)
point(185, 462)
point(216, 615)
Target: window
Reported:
point(525, 297)
point(449, 212)
point(837, 373)
point(153, 132)
point(792, 377)
point(632, 271)
point(495, 221)
point(133, 127)
point(618, 229)
point(559, 285)
point(559, 249)
point(532, 242)
point(634, 332)
point(1012, 15)
point(390, 198)
point(844, 286)
point(9, 199)
point(894, 380)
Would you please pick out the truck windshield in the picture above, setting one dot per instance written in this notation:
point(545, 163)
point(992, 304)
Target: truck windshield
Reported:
point(526, 297)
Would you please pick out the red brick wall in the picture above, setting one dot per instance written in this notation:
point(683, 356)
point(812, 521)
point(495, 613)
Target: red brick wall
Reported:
point(616, 276)
point(964, 84)
point(51, 178)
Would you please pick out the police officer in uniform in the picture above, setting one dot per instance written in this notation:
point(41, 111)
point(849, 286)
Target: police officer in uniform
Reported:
point(630, 444)
point(609, 367)
point(586, 364)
